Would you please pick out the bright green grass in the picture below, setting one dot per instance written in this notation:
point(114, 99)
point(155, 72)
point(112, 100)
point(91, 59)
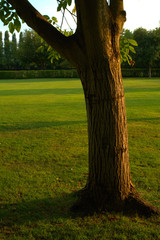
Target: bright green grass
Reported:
point(43, 160)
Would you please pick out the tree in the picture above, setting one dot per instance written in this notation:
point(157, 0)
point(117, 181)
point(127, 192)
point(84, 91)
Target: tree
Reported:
point(94, 51)
point(28, 55)
point(27, 50)
point(1, 51)
point(148, 50)
point(13, 56)
point(7, 50)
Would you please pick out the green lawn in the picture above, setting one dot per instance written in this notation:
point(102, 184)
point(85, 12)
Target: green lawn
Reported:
point(43, 160)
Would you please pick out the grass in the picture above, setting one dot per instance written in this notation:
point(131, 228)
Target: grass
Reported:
point(43, 160)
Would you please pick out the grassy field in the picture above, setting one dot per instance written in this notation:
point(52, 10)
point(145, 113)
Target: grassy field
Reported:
point(43, 160)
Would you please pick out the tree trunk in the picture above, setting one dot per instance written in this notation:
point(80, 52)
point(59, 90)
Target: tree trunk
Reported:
point(109, 185)
point(107, 134)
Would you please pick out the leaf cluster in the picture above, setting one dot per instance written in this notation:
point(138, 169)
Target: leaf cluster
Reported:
point(53, 55)
point(63, 4)
point(127, 46)
point(52, 20)
point(9, 16)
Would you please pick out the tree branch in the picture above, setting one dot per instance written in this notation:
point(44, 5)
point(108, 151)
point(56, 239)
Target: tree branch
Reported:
point(116, 7)
point(93, 18)
point(118, 13)
point(66, 46)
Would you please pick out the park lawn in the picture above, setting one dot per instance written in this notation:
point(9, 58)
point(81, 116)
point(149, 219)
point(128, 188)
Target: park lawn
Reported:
point(43, 160)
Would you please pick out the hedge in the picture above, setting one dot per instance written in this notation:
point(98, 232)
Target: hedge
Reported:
point(128, 72)
point(22, 74)
point(140, 72)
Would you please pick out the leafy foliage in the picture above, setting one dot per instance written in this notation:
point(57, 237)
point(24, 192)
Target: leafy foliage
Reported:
point(53, 55)
point(127, 46)
point(63, 4)
point(148, 51)
point(9, 16)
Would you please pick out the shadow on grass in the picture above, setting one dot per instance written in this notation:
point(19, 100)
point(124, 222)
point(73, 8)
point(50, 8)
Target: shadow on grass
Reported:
point(134, 90)
point(45, 80)
point(36, 125)
point(36, 210)
point(56, 91)
point(142, 119)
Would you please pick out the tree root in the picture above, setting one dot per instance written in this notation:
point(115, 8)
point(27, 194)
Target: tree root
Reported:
point(132, 205)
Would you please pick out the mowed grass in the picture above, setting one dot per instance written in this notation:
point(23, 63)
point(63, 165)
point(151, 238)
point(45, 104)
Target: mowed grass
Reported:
point(43, 160)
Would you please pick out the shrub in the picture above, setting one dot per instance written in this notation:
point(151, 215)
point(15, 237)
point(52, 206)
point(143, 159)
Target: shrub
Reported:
point(140, 72)
point(71, 73)
point(38, 74)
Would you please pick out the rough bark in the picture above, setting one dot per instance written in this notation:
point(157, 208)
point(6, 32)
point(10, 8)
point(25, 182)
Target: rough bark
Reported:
point(94, 51)
point(107, 133)
point(109, 186)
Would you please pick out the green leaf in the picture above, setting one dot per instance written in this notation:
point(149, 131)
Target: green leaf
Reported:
point(132, 49)
point(11, 27)
point(59, 7)
point(69, 2)
point(47, 17)
point(133, 42)
point(64, 5)
point(54, 19)
point(40, 49)
point(17, 24)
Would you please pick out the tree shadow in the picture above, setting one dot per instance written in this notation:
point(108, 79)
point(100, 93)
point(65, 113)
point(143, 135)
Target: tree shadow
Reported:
point(55, 91)
point(36, 210)
point(134, 90)
point(31, 80)
point(36, 125)
point(142, 119)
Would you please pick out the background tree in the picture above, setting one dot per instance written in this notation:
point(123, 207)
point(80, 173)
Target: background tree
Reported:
point(148, 50)
point(33, 52)
point(1, 51)
point(27, 50)
point(29, 53)
point(13, 56)
point(7, 50)
point(157, 42)
point(94, 51)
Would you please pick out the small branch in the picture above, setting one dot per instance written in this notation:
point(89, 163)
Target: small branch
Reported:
point(72, 14)
point(68, 24)
point(62, 19)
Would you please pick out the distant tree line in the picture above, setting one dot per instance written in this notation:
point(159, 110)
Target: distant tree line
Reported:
point(26, 53)
point(148, 49)
point(29, 52)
